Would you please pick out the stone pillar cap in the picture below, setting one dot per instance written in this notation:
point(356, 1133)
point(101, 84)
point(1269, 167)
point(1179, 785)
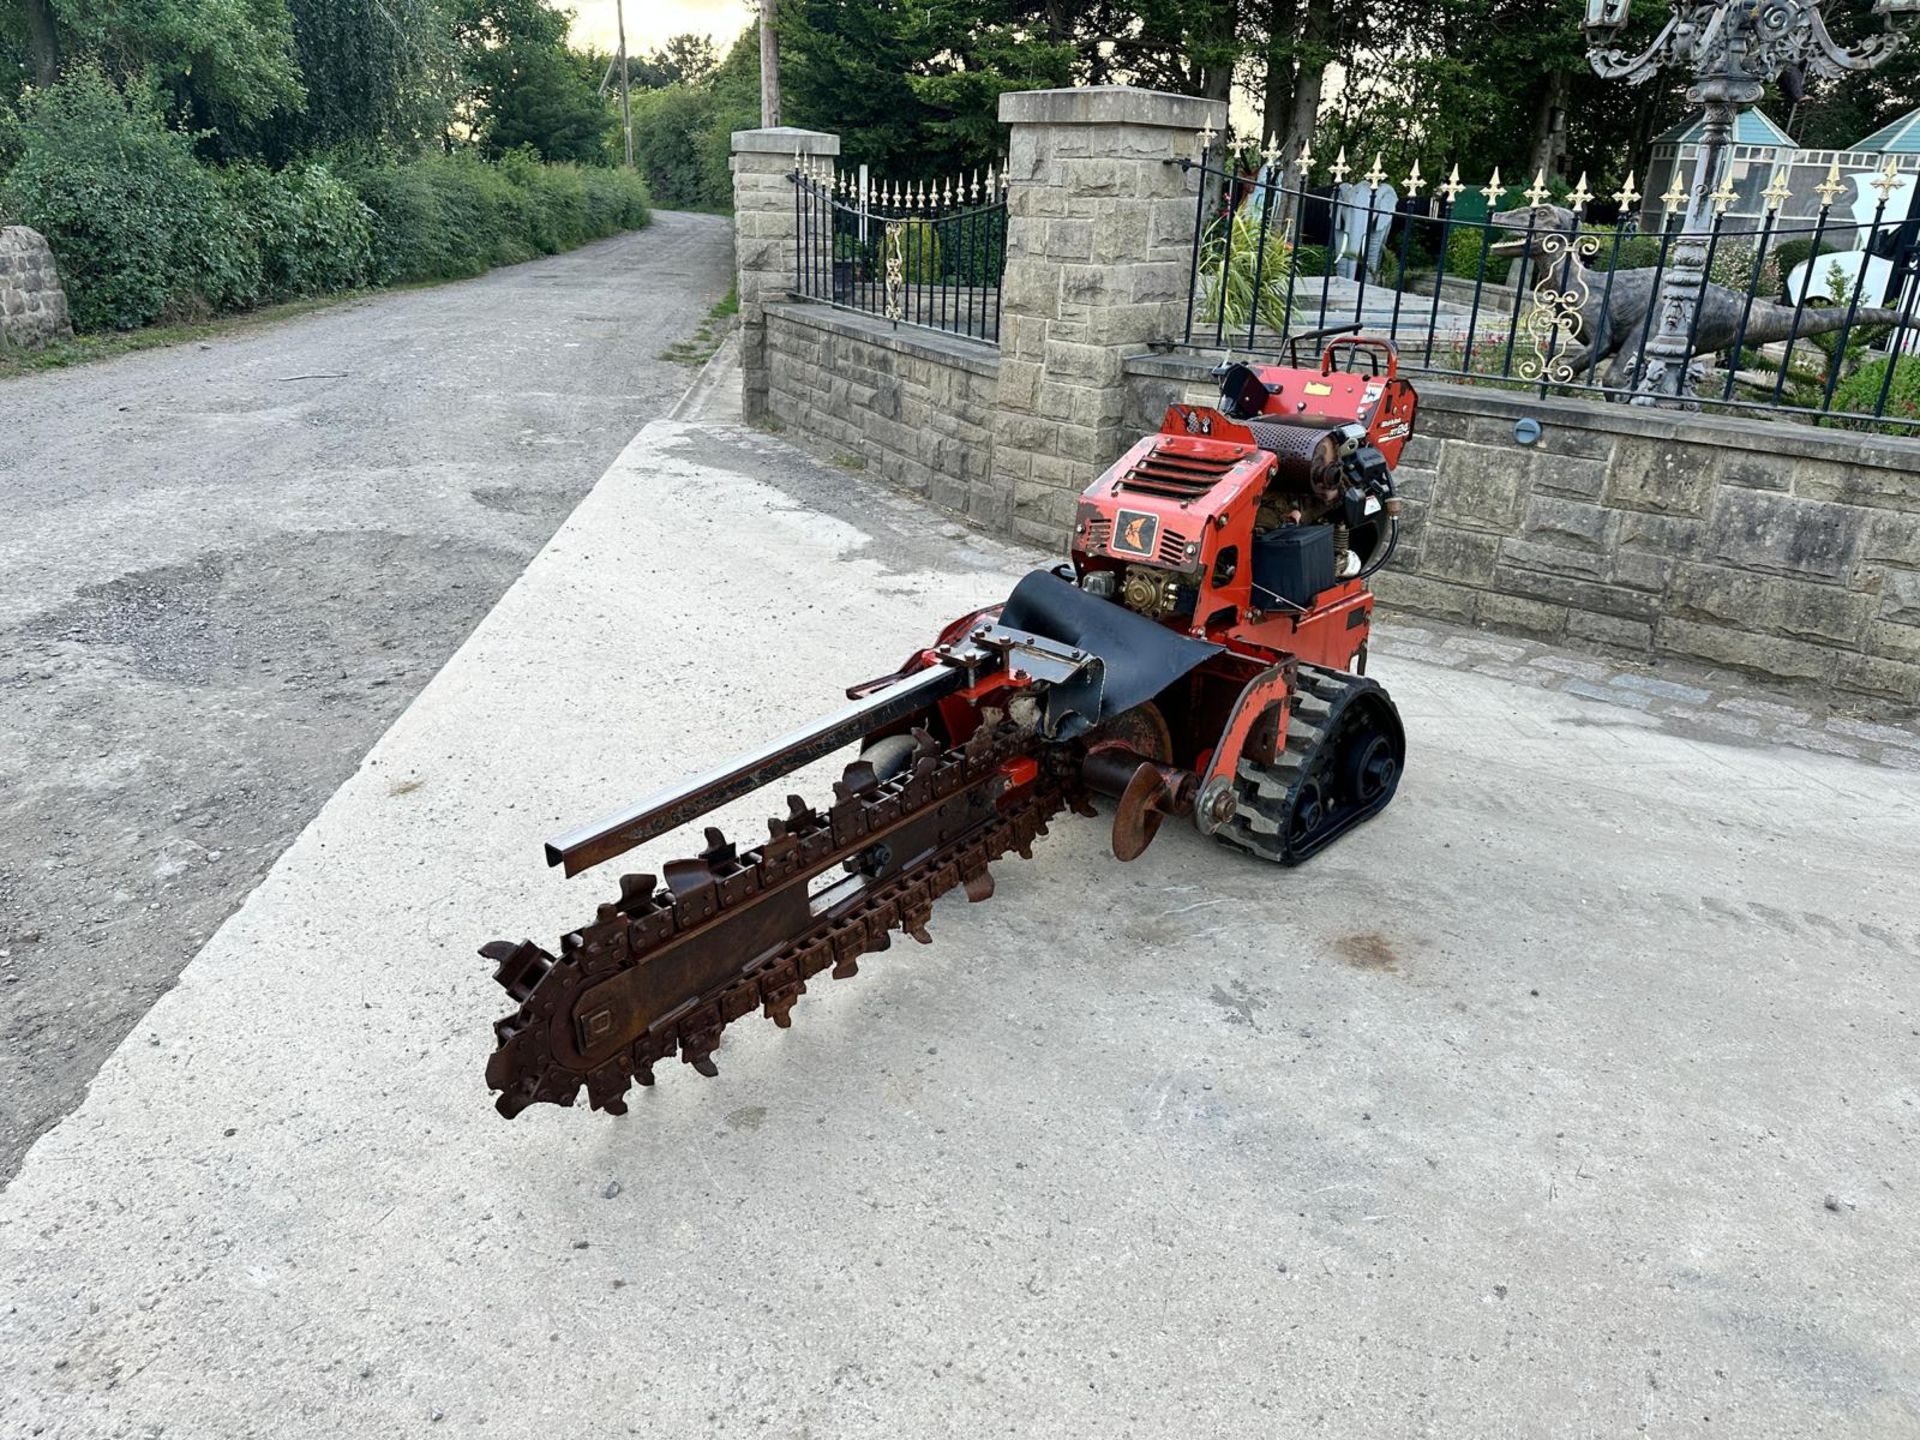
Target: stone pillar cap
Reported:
point(785, 140)
point(1111, 105)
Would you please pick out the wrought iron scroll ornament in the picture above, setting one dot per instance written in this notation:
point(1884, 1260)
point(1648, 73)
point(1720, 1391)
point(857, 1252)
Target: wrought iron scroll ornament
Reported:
point(896, 267)
point(1700, 36)
point(1553, 320)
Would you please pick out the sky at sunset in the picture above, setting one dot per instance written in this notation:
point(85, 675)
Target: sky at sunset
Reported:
point(649, 22)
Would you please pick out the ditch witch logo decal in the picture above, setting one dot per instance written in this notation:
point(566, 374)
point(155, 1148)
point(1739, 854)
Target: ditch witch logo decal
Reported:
point(1135, 533)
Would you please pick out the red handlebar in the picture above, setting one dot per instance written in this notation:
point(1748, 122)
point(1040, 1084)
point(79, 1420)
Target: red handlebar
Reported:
point(1386, 347)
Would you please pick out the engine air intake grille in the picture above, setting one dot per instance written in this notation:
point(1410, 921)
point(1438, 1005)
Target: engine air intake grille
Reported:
point(1179, 477)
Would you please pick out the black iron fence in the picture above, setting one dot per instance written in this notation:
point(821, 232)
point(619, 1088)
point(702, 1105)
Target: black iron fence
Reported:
point(1809, 317)
point(926, 254)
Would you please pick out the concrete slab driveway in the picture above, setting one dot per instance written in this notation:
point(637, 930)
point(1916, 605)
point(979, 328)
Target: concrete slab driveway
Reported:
point(1574, 1096)
point(225, 568)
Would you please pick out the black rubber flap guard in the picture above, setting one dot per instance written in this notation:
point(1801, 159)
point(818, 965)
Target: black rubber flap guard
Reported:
point(1142, 658)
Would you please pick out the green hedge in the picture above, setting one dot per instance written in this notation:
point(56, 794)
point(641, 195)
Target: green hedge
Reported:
point(144, 232)
point(303, 229)
point(141, 231)
point(670, 130)
point(444, 217)
point(1860, 391)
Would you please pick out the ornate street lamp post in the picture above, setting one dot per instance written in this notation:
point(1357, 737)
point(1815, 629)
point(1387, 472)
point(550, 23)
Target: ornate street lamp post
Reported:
point(1732, 48)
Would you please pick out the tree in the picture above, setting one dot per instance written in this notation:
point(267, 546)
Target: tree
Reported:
point(913, 89)
point(670, 123)
point(683, 60)
point(683, 133)
point(552, 106)
point(379, 73)
point(226, 64)
point(43, 41)
point(521, 86)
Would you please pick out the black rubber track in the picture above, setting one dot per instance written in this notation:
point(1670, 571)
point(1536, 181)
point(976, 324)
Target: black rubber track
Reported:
point(1341, 763)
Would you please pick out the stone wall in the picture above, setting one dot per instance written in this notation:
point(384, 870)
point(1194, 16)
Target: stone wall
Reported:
point(916, 407)
point(1099, 243)
point(1099, 236)
point(33, 307)
point(1782, 550)
point(764, 232)
point(1768, 547)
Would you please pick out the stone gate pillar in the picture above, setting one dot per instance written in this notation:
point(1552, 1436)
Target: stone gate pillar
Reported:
point(33, 307)
point(1099, 244)
point(764, 231)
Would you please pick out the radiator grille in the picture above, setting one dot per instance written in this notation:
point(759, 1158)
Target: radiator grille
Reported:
point(1171, 551)
point(1178, 477)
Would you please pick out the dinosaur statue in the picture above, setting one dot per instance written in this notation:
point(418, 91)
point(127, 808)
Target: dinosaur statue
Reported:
point(1611, 319)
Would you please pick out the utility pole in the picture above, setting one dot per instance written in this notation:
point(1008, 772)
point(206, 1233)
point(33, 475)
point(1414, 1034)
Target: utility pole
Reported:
point(769, 67)
point(626, 110)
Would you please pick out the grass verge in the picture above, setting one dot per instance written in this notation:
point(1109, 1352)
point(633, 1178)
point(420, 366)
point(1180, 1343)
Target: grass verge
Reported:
point(699, 348)
point(84, 348)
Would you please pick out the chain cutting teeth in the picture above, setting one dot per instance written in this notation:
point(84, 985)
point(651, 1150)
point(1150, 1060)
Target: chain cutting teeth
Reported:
point(857, 782)
point(648, 923)
point(522, 966)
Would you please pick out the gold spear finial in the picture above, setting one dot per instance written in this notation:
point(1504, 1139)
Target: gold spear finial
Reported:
point(1413, 182)
point(1580, 195)
point(1493, 189)
point(1626, 195)
point(1676, 197)
point(1537, 191)
point(1777, 194)
point(1830, 189)
point(1340, 169)
point(1453, 188)
point(1304, 161)
point(1206, 138)
point(1374, 176)
point(1888, 180)
point(1270, 152)
point(1725, 195)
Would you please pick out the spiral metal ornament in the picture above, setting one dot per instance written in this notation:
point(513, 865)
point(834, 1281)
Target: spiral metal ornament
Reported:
point(1553, 319)
point(895, 249)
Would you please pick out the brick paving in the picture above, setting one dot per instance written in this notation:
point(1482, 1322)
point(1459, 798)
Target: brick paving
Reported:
point(1697, 701)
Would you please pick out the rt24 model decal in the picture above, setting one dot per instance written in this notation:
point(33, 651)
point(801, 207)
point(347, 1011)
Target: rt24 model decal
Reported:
point(1135, 533)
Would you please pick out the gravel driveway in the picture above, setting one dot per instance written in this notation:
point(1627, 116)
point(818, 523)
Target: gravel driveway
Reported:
point(225, 568)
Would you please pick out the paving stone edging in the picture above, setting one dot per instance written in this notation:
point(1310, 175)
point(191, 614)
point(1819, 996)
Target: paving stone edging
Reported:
point(1701, 704)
